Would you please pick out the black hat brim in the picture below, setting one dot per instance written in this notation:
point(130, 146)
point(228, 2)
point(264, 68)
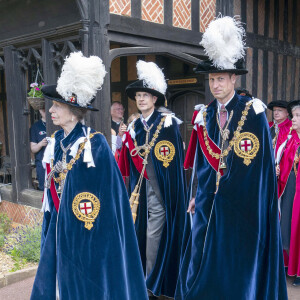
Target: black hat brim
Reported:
point(290, 106)
point(207, 67)
point(138, 86)
point(277, 103)
point(49, 92)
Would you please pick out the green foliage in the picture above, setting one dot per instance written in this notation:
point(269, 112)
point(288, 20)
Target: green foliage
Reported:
point(35, 90)
point(19, 262)
point(2, 238)
point(25, 243)
point(5, 223)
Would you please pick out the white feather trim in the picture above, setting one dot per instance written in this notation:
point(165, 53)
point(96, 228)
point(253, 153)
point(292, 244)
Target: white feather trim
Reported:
point(258, 105)
point(131, 130)
point(152, 76)
point(168, 120)
point(199, 118)
point(81, 76)
point(223, 42)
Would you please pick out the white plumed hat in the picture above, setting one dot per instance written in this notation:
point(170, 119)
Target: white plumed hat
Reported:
point(151, 80)
point(80, 79)
point(224, 44)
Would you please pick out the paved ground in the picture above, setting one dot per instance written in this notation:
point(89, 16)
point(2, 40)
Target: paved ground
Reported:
point(21, 290)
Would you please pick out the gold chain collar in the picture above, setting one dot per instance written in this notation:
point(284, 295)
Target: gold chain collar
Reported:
point(69, 166)
point(147, 147)
point(235, 135)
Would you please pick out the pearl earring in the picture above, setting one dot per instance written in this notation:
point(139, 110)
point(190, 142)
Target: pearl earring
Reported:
point(72, 118)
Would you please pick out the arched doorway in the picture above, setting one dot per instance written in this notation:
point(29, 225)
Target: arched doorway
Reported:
point(183, 104)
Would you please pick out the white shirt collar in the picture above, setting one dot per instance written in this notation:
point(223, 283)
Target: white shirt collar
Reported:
point(220, 104)
point(146, 119)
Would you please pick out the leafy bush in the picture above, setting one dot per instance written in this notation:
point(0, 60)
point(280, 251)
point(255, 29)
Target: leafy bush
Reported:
point(5, 223)
point(25, 243)
point(2, 238)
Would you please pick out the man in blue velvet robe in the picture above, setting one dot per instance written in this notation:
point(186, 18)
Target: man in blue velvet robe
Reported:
point(162, 203)
point(234, 250)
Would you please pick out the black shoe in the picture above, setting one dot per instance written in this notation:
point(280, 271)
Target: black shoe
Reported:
point(296, 281)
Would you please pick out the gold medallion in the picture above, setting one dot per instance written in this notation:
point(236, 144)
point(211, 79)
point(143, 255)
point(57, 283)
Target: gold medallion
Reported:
point(86, 207)
point(164, 151)
point(246, 146)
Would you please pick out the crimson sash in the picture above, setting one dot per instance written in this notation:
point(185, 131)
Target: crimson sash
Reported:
point(190, 155)
point(53, 192)
point(123, 162)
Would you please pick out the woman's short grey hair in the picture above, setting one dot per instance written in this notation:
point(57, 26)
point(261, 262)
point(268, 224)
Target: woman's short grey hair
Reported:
point(78, 112)
point(296, 106)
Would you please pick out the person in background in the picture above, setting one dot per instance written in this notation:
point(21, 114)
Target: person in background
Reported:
point(287, 170)
point(133, 117)
point(38, 143)
point(117, 117)
point(281, 125)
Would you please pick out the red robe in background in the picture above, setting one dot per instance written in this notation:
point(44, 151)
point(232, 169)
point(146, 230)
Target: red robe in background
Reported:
point(284, 129)
point(292, 261)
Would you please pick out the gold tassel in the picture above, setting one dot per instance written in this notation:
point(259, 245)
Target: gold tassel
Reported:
point(166, 102)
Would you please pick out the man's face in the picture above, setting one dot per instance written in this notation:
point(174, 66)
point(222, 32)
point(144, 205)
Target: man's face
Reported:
point(280, 114)
point(117, 111)
point(145, 101)
point(222, 85)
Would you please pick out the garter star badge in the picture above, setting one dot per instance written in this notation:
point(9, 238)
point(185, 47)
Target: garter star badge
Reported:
point(86, 207)
point(246, 146)
point(164, 151)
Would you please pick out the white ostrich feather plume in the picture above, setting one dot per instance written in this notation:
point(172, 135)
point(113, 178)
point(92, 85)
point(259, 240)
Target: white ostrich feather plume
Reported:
point(223, 42)
point(152, 76)
point(81, 76)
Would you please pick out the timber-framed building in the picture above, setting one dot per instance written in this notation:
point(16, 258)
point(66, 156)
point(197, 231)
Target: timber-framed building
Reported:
point(38, 35)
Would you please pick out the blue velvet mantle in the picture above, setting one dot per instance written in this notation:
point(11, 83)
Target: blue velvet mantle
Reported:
point(234, 251)
point(101, 263)
point(171, 180)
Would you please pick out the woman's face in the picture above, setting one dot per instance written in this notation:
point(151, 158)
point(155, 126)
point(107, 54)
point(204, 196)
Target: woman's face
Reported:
point(61, 114)
point(296, 119)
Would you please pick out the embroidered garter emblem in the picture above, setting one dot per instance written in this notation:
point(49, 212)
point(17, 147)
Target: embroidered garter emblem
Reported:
point(246, 146)
point(164, 151)
point(86, 207)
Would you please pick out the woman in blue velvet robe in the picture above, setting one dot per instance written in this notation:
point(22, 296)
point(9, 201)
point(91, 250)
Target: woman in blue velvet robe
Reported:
point(90, 249)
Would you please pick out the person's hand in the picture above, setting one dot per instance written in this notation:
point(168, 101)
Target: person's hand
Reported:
point(122, 129)
point(277, 170)
point(191, 207)
point(43, 142)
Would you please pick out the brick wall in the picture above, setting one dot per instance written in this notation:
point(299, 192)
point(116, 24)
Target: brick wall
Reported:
point(207, 13)
point(182, 14)
point(120, 7)
point(21, 214)
point(153, 11)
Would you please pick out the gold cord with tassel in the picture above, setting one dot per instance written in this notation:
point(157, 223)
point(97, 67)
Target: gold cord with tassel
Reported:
point(135, 195)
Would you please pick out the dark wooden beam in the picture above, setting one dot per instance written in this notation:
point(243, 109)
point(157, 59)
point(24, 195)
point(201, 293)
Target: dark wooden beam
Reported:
point(195, 15)
point(254, 72)
point(50, 77)
point(265, 76)
point(295, 21)
point(284, 77)
point(285, 20)
point(141, 29)
point(96, 42)
point(18, 123)
point(168, 13)
point(136, 9)
point(275, 77)
point(270, 44)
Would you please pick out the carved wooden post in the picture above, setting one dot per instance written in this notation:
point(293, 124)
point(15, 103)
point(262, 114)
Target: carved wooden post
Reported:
point(18, 123)
point(50, 78)
point(95, 15)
